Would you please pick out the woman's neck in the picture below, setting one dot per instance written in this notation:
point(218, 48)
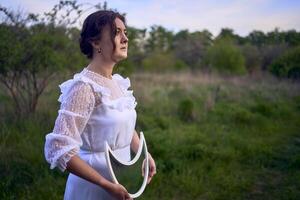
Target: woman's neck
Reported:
point(103, 68)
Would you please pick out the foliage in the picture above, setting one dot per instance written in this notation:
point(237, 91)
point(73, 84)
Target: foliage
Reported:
point(191, 47)
point(33, 49)
point(270, 53)
point(186, 110)
point(159, 61)
point(287, 65)
point(225, 57)
point(160, 39)
point(253, 58)
point(228, 34)
point(246, 147)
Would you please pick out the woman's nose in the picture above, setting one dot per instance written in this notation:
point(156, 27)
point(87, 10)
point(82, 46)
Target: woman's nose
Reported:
point(124, 38)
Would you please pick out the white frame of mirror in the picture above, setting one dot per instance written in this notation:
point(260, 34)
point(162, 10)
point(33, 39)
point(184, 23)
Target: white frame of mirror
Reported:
point(142, 145)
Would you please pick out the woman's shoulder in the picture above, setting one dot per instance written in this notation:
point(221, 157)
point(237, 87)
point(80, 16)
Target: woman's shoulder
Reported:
point(76, 85)
point(123, 82)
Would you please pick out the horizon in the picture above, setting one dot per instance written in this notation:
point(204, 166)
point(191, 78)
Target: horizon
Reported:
point(264, 15)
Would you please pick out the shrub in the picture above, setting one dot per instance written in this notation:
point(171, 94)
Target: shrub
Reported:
point(263, 109)
point(186, 110)
point(159, 61)
point(287, 65)
point(253, 59)
point(224, 57)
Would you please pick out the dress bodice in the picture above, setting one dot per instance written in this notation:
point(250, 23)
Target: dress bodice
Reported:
point(94, 110)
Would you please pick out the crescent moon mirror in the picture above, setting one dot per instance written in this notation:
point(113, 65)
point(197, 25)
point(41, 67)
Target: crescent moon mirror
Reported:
point(130, 174)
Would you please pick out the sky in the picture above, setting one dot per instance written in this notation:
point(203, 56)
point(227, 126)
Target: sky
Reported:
point(195, 15)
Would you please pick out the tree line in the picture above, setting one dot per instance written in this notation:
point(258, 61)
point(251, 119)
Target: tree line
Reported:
point(36, 47)
point(158, 49)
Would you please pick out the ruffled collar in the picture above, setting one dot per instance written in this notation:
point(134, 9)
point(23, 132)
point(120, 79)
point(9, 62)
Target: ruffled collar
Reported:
point(127, 101)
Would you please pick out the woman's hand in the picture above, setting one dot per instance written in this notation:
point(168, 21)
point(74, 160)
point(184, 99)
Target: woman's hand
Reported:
point(152, 168)
point(119, 192)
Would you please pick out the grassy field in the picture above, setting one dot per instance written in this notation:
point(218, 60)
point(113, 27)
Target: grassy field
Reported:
point(212, 137)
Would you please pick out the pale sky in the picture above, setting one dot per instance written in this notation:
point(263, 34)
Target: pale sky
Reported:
point(242, 16)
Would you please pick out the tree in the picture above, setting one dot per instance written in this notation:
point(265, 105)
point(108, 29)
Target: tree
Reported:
point(227, 33)
point(252, 57)
point(225, 57)
point(287, 65)
point(257, 38)
point(33, 48)
point(292, 37)
point(159, 39)
point(270, 53)
point(191, 47)
point(275, 37)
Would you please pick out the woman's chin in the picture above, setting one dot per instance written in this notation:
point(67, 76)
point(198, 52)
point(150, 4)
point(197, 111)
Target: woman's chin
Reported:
point(121, 56)
point(124, 56)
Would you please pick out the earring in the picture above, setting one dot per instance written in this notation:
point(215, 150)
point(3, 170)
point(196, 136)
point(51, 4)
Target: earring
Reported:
point(99, 50)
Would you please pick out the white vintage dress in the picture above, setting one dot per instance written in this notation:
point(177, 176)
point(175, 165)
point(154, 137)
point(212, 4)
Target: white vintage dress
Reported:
point(94, 109)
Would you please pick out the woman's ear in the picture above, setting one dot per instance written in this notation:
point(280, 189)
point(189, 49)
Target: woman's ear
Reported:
point(95, 44)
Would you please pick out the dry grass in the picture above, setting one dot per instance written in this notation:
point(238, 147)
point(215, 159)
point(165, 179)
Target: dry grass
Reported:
point(234, 88)
point(190, 79)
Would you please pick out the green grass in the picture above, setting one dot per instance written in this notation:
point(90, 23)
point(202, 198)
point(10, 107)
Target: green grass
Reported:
point(217, 139)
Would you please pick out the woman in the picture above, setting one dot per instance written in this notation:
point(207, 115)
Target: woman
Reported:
point(96, 106)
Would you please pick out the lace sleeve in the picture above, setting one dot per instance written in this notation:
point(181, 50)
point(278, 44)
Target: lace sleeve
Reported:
point(64, 141)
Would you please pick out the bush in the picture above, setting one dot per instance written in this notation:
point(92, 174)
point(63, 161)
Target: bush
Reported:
point(242, 117)
point(287, 65)
point(270, 53)
point(186, 110)
point(159, 61)
point(253, 59)
point(225, 57)
point(264, 109)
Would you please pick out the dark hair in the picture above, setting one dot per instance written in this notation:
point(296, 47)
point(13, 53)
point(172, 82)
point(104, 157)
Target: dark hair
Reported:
point(93, 26)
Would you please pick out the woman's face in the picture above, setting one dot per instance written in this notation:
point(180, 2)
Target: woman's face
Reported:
point(121, 42)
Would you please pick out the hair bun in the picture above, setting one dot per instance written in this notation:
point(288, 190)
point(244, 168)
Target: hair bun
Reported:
point(86, 47)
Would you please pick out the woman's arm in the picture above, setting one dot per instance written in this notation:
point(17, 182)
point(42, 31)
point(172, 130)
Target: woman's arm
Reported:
point(135, 142)
point(80, 168)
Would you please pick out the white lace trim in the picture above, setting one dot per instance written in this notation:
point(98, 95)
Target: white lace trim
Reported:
point(126, 101)
point(70, 113)
point(63, 160)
